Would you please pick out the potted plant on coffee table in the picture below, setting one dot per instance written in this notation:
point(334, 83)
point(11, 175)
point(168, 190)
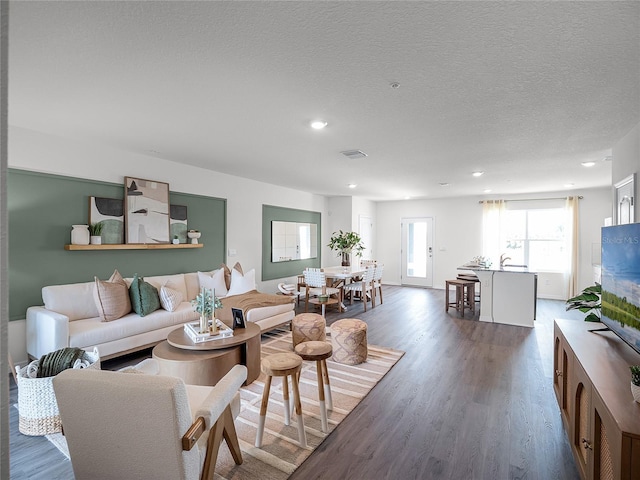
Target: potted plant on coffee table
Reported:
point(344, 243)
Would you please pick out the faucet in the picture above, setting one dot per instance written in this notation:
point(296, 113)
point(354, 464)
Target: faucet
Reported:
point(503, 259)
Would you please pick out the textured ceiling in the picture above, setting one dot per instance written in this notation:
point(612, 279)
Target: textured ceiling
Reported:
point(524, 91)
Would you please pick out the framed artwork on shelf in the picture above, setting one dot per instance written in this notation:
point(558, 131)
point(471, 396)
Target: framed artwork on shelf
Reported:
point(146, 213)
point(178, 222)
point(110, 213)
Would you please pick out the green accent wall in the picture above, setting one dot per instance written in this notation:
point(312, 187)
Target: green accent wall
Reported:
point(270, 270)
point(42, 209)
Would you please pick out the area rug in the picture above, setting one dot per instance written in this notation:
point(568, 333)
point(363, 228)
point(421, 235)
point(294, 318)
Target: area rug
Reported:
point(280, 453)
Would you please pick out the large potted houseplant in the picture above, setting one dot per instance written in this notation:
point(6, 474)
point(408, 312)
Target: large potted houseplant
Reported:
point(344, 243)
point(588, 302)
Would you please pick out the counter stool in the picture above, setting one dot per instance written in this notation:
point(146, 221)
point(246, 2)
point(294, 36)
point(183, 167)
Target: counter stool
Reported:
point(349, 341)
point(465, 295)
point(319, 352)
point(282, 365)
point(473, 278)
point(306, 327)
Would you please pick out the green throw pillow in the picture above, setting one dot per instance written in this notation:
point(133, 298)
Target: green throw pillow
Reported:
point(144, 296)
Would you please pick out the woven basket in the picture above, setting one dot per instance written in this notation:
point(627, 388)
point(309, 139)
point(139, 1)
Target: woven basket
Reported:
point(37, 406)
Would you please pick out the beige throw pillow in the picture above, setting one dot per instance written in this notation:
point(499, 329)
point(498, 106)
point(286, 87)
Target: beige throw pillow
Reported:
point(170, 299)
point(112, 297)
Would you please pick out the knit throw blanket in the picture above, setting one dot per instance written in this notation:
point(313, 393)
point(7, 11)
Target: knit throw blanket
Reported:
point(247, 301)
point(53, 363)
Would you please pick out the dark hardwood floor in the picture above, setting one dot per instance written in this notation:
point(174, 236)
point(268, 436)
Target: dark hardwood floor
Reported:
point(468, 400)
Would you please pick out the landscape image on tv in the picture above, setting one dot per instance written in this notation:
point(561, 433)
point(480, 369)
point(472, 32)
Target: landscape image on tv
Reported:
point(621, 281)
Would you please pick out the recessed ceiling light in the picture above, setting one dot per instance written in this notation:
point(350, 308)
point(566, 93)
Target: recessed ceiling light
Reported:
point(318, 124)
point(443, 184)
point(352, 185)
point(477, 174)
point(568, 185)
point(407, 198)
point(487, 190)
point(588, 164)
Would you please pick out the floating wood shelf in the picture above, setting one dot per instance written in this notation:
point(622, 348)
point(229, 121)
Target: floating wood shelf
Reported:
point(133, 246)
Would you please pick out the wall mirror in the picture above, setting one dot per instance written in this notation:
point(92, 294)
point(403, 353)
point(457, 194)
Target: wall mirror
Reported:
point(293, 241)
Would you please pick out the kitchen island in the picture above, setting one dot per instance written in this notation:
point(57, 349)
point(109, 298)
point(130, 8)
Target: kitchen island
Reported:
point(507, 294)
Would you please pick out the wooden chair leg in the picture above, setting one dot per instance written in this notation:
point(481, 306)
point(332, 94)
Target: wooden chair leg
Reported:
point(231, 436)
point(263, 411)
point(302, 435)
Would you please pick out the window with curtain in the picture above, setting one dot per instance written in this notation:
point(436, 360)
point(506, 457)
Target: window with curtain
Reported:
point(536, 238)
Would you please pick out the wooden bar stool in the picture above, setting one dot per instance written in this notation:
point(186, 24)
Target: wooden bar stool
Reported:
point(282, 365)
point(318, 352)
point(465, 295)
point(473, 278)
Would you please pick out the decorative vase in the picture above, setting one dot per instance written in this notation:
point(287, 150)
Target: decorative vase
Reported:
point(204, 324)
point(96, 240)
point(175, 241)
point(346, 259)
point(635, 390)
point(194, 235)
point(80, 235)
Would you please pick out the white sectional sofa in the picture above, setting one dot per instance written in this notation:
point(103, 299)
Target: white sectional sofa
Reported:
point(70, 317)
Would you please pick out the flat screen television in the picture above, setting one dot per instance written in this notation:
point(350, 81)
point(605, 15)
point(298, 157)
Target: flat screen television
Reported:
point(621, 281)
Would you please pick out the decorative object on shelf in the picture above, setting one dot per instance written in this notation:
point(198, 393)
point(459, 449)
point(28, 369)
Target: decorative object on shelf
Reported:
point(178, 222)
point(205, 304)
point(80, 235)
point(635, 382)
point(589, 302)
point(95, 230)
point(109, 212)
point(344, 243)
point(146, 212)
point(194, 235)
point(176, 240)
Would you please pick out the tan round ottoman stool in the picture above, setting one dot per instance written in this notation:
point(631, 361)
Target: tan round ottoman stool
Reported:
point(349, 341)
point(308, 327)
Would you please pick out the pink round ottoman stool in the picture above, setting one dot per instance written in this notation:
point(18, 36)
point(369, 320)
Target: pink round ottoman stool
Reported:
point(308, 327)
point(349, 341)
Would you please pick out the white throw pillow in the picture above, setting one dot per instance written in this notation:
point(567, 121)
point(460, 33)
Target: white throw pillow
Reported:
point(213, 281)
point(242, 283)
point(170, 299)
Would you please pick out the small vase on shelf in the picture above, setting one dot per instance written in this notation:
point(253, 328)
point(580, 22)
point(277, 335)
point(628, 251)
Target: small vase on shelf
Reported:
point(80, 235)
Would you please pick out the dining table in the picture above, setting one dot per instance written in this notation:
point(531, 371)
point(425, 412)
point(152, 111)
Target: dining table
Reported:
point(338, 277)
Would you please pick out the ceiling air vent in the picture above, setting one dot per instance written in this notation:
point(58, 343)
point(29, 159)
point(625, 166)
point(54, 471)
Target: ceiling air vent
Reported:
point(353, 154)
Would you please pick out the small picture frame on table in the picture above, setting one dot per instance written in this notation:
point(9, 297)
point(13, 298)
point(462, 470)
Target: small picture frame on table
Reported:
point(238, 318)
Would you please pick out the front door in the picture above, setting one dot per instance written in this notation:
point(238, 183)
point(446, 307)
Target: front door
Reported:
point(417, 251)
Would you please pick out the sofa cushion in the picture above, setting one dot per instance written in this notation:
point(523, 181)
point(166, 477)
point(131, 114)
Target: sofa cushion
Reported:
point(242, 283)
point(112, 297)
point(213, 281)
point(74, 300)
point(144, 296)
point(91, 331)
point(170, 298)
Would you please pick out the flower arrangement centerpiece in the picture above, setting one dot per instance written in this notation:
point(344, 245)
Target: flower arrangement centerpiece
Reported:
point(205, 304)
point(481, 261)
point(344, 243)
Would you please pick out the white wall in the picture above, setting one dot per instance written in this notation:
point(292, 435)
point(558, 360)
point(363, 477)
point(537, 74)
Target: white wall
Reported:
point(626, 160)
point(458, 235)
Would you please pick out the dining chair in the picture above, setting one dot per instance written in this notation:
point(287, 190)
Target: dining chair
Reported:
point(316, 284)
point(364, 287)
point(377, 282)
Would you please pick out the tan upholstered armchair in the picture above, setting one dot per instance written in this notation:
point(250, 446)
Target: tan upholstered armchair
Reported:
point(120, 425)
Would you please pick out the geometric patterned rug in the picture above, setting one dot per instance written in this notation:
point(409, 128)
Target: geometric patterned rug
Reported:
point(280, 453)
